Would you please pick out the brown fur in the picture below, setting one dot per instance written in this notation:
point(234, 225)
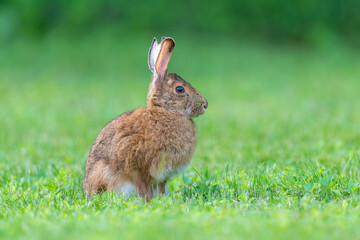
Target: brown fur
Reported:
point(146, 146)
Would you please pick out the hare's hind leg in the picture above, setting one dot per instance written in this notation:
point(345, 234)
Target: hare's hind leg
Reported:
point(95, 181)
point(100, 178)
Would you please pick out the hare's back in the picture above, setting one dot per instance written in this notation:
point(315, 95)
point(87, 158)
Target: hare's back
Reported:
point(104, 145)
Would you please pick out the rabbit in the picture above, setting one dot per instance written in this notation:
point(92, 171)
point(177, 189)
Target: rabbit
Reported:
point(140, 150)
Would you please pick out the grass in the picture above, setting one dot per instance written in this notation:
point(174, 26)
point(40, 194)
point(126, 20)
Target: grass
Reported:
point(277, 155)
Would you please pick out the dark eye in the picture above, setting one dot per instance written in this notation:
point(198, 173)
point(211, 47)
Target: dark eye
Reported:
point(180, 89)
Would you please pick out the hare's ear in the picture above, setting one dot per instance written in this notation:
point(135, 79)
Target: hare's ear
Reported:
point(159, 56)
point(153, 54)
point(167, 46)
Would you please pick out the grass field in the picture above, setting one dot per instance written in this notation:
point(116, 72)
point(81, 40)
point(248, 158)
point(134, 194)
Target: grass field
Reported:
point(277, 155)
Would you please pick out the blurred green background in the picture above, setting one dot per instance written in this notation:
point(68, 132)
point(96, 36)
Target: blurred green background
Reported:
point(281, 76)
point(300, 21)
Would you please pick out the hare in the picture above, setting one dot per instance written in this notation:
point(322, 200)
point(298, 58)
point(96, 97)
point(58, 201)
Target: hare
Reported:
point(140, 150)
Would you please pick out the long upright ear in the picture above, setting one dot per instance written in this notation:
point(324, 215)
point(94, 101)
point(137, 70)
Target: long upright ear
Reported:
point(159, 56)
point(167, 46)
point(153, 54)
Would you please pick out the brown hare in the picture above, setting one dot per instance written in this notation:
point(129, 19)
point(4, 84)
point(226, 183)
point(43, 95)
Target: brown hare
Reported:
point(140, 150)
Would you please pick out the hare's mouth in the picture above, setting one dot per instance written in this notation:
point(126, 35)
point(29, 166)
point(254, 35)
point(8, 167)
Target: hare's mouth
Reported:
point(197, 111)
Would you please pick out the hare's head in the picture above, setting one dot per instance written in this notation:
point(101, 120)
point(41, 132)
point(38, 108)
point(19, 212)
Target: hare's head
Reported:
point(168, 90)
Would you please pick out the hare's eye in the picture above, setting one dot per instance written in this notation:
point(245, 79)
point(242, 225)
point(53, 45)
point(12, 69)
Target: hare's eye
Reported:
point(180, 89)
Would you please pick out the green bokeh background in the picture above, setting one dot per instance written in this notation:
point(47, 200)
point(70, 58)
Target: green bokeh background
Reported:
point(300, 21)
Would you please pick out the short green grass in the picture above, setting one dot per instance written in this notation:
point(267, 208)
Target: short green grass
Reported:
point(277, 155)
